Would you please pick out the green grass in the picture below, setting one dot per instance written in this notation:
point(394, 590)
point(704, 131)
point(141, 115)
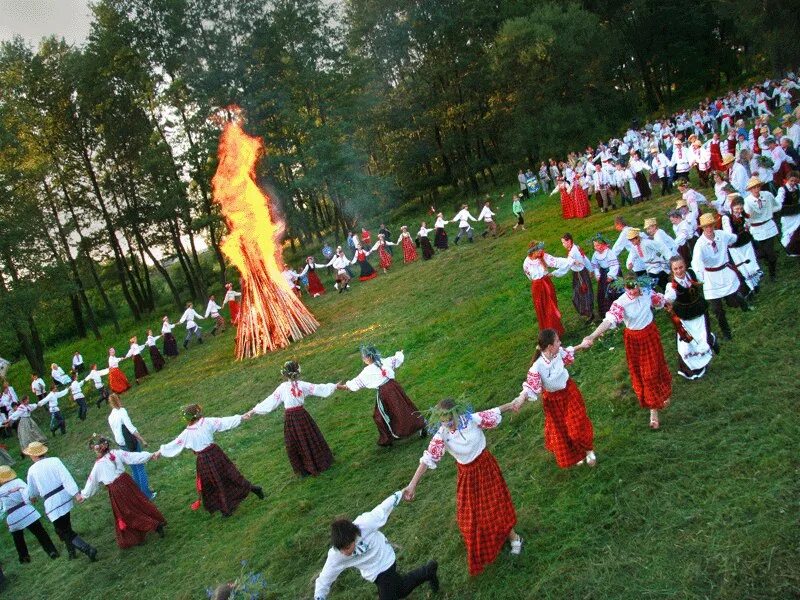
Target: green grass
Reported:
point(705, 508)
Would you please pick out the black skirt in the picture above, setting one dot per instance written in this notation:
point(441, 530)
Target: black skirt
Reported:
point(139, 368)
point(170, 345)
point(440, 239)
point(156, 358)
point(427, 249)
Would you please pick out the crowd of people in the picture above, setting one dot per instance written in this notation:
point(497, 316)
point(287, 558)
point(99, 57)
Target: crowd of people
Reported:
point(711, 260)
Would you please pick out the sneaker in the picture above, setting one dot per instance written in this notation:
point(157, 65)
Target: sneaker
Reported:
point(516, 546)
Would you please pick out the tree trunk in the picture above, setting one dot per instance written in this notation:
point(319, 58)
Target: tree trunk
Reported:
point(160, 268)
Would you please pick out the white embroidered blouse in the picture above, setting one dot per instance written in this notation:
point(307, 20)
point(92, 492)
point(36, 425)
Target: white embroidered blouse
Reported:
point(372, 376)
point(548, 375)
point(199, 435)
point(292, 394)
point(534, 269)
point(464, 444)
point(634, 311)
point(109, 467)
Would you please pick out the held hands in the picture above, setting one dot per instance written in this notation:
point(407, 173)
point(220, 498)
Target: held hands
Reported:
point(341, 386)
point(79, 498)
point(586, 343)
point(409, 492)
point(247, 416)
point(155, 455)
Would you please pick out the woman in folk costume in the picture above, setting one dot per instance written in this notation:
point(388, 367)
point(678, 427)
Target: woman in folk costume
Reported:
point(395, 415)
point(580, 199)
point(606, 269)
point(139, 368)
point(407, 244)
point(21, 515)
point(690, 317)
point(5, 457)
point(789, 199)
point(382, 246)
point(128, 438)
point(366, 237)
point(425, 242)
point(309, 453)
point(170, 343)
point(582, 293)
point(484, 511)
point(222, 487)
point(650, 376)
point(360, 257)
point(543, 291)
point(715, 151)
point(116, 378)
point(59, 377)
point(134, 514)
point(568, 432)
point(440, 235)
point(564, 190)
point(315, 287)
point(232, 302)
point(640, 170)
point(27, 429)
point(155, 355)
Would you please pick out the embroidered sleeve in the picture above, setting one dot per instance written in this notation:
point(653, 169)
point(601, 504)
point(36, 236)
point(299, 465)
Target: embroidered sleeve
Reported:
point(657, 300)
point(397, 360)
point(533, 384)
point(174, 447)
point(615, 314)
point(323, 390)
point(269, 403)
point(356, 384)
point(90, 489)
point(568, 355)
point(488, 419)
point(434, 453)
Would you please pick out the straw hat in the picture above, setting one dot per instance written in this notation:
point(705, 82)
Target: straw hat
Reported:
point(777, 132)
point(633, 233)
point(650, 222)
point(707, 219)
point(35, 449)
point(6, 474)
point(653, 150)
point(681, 203)
point(728, 159)
point(753, 182)
point(697, 144)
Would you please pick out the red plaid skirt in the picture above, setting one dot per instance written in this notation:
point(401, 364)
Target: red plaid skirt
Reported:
point(546, 306)
point(404, 418)
point(484, 510)
point(134, 514)
point(409, 251)
point(650, 374)
point(308, 451)
point(220, 483)
point(568, 432)
point(117, 380)
point(139, 368)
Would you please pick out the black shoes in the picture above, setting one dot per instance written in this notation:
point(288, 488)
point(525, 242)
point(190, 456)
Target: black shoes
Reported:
point(433, 577)
point(258, 491)
point(160, 530)
point(79, 544)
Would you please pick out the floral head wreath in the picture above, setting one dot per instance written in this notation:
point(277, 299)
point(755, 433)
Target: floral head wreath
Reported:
point(459, 415)
point(764, 161)
point(629, 282)
point(598, 238)
point(192, 412)
point(371, 352)
point(98, 442)
point(535, 246)
point(291, 369)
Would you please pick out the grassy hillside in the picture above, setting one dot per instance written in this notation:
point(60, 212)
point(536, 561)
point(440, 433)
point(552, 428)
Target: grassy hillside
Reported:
point(705, 508)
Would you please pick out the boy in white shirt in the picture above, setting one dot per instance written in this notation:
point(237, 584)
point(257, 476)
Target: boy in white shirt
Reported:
point(360, 544)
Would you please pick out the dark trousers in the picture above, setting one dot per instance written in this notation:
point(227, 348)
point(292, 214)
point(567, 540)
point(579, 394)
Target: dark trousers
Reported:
point(102, 395)
point(38, 530)
point(766, 249)
point(57, 422)
point(63, 527)
point(82, 408)
point(717, 307)
point(393, 586)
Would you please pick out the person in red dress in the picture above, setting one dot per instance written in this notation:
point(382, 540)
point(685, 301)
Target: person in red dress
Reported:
point(567, 210)
point(315, 287)
point(568, 432)
point(714, 147)
point(484, 511)
point(580, 200)
point(384, 257)
point(366, 237)
point(134, 514)
point(407, 244)
point(543, 292)
point(230, 300)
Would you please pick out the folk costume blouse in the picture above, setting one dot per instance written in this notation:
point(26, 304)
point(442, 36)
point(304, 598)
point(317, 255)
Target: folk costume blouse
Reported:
point(199, 435)
point(548, 375)
point(635, 312)
point(292, 394)
point(534, 269)
point(167, 328)
point(47, 475)
point(465, 443)
point(51, 400)
point(605, 260)
point(97, 377)
point(372, 376)
point(135, 350)
point(109, 467)
point(14, 495)
point(113, 362)
point(116, 419)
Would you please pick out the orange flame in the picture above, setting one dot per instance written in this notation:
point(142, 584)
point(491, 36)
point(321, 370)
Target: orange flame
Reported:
point(271, 315)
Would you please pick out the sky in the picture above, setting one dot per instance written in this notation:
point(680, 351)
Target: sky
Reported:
point(35, 19)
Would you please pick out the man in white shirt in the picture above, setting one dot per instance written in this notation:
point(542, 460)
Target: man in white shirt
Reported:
point(96, 376)
point(681, 160)
point(486, 215)
point(340, 262)
point(464, 228)
point(77, 362)
point(361, 545)
point(212, 310)
point(192, 329)
point(760, 207)
point(50, 480)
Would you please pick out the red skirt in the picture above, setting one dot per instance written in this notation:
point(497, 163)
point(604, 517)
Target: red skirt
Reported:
point(568, 432)
point(580, 202)
point(409, 251)
point(315, 286)
point(394, 406)
point(567, 209)
point(219, 482)
point(484, 510)
point(117, 380)
point(309, 453)
point(545, 304)
point(139, 368)
point(650, 374)
point(156, 358)
point(234, 306)
point(134, 514)
point(385, 259)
